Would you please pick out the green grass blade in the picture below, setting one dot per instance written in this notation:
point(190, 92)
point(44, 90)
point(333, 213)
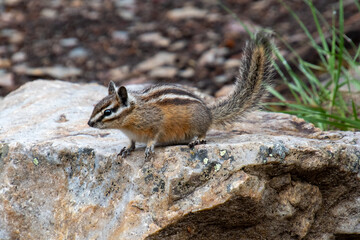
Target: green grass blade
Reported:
point(236, 17)
point(319, 102)
point(276, 93)
point(339, 55)
point(318, 27)
point(357, 4)
point(304, 28)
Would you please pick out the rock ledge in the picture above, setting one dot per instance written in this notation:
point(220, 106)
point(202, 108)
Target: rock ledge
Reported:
point(273, 176)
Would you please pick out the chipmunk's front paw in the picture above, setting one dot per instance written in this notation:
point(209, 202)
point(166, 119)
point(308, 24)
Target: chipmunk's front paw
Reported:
point(196, 142)
point(125, 152)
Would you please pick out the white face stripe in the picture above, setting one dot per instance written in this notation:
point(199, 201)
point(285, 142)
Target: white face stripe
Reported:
point(117, 113)
point(101, 113)
point(121, 109)
point(97, 116)
point(112, 105)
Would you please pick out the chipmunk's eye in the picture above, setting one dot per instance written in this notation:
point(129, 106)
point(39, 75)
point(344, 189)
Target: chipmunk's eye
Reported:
point(107, 112)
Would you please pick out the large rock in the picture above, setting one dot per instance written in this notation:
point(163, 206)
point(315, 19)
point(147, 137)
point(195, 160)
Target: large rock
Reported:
point(272, 177)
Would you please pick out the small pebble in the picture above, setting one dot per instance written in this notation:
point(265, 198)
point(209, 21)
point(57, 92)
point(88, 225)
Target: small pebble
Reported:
point(186, 13)
point(6, 80)
point(155, 38)
point(5, 63)
point(121, 36)
point(69, 42)
point(163, 72)
point(158, 60)
point(187, 73)
point(78, 52)
point(18, 57)
point(49, 13)
point(178, 45)
point(232, 63)
point(119, 73)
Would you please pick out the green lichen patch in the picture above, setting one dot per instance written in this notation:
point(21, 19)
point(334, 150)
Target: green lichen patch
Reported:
point(35, 161)
point(217, 167)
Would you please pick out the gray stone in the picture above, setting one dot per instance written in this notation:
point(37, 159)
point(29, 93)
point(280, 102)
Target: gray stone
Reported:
point(178, 45)
point(121, 36)
point(69, 42)
point(214, 56)
point(62, 72)
point(221, 79)
point(78, 52)
point(155, 38)
point(126, 14)
point(6, 80)
point(18, 57)
point(158, 60)
point(143, 27)
point(5, 63)
point(232, 63)
point(273, 176)
point(187, 12)
point(163, 72)
point(187, 73)
point(49, 13)
point(125, 3)
point(58, 71)
point(11, 2)
point(13, 35)
point(126, 8)
point(119, 73)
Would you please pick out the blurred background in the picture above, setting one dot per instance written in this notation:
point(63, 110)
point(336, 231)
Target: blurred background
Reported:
point(198, 43)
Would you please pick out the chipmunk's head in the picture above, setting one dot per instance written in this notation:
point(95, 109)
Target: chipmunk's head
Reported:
point(110, 110)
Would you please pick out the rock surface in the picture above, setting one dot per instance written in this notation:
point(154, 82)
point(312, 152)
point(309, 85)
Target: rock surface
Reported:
point(272, 177)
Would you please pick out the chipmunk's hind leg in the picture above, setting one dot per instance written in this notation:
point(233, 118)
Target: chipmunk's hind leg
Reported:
point(197, 141)
point(127, 150)
point(149, 150)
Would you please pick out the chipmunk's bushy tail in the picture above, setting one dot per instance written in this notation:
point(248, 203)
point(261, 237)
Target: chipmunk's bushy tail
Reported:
point(250, 87)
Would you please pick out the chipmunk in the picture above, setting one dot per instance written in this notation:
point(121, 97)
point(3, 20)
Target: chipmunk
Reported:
point(169, 114)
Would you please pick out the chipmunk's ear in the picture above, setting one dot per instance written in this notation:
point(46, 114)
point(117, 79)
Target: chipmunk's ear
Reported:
point(111, 88)
point(122, 95)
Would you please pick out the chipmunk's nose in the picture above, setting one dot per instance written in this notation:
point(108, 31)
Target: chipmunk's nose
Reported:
point(90, 123)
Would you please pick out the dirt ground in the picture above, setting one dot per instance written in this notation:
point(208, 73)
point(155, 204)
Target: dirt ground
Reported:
point(197, 43)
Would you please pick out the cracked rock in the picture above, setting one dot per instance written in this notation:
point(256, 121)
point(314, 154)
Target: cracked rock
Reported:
point(270, 176)
point(160, 59)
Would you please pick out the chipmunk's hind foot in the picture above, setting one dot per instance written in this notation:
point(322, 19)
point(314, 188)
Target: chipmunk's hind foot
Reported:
point(150, 150)
point(198, 141)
